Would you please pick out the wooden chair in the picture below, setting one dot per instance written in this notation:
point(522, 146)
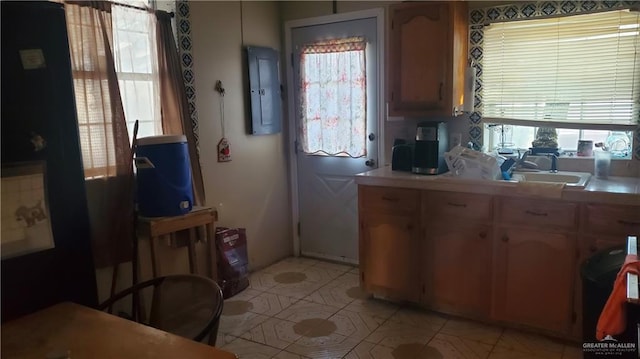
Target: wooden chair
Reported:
point(186, 305)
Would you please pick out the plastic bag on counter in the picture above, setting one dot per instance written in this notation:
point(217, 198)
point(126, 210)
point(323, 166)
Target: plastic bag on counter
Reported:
point(233, 261)
point(466, 163)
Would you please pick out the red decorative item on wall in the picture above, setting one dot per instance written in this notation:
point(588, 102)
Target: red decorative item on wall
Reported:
point(224, 153)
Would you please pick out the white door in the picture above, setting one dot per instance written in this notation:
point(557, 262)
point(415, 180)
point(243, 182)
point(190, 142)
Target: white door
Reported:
point(336, 109)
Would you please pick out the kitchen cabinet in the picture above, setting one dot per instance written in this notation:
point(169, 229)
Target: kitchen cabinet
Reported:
point(389, 242)
point(511, 260)
point(427, 58)
point(535, 254)
point(458, 235)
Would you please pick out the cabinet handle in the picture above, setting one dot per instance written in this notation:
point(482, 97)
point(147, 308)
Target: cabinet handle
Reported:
point(440, 90)
point(628, 223)
point(463, 205)
point(538, 214)
point(410, 226)
point(483, 234)
point(505, 238)
point(390, 199)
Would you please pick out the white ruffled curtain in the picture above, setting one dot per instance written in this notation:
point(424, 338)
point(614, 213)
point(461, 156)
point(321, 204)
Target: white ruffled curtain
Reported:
point(333, 98)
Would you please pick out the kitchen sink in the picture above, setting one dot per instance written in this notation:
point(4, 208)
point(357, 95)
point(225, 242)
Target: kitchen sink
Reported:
point(572, 179)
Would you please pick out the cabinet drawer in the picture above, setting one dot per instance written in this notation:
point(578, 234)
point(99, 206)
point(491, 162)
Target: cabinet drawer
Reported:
point(540, 214)
point(605, 219)
point(388, 199)
point(452, 205)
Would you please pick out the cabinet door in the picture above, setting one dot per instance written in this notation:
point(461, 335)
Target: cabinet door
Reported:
point(427, 58)
point(459, 269)
point(420, 59)
point(389, 250)
point(533, 278)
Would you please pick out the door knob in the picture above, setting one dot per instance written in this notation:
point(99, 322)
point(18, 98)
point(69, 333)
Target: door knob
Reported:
point(372, 136)
point(370, 163)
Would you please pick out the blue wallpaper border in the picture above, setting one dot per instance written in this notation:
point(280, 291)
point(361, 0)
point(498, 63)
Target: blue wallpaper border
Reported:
point(185, 42)
point(478, 18)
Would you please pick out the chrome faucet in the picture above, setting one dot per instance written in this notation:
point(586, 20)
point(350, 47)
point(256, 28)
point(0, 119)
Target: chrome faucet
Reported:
point(520, 163)
point(554, 163)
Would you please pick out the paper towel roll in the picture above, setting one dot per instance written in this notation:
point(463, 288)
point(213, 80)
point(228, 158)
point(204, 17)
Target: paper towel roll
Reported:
point(469, 88)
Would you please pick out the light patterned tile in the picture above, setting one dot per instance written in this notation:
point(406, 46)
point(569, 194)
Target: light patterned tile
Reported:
point(223, 338)
point(572, 352)
point(261, 281)
point(472, 330)
point(270, 304)
point(245, 349)
point(449, 346)
point(295, 290)
point(529, 343)
point(305, 261)
point(336, 293)
point(366, 350)
point(246, 294)
point(419, 318)
point(355, 325)
point(274, 332)
point(334, 266)
point(306, 310)
point(509, 353)
point(288, 265)
point(392, 334)
point(288, 355)
point(330, 346)
point(374, 307)
point(321, 275)
point(346, 279)
point(236, 325)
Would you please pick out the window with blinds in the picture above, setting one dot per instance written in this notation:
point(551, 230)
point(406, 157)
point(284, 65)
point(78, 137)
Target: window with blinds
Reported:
point(580, 71)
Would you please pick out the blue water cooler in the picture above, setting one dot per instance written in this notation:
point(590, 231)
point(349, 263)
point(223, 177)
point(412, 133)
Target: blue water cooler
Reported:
point(163, 176)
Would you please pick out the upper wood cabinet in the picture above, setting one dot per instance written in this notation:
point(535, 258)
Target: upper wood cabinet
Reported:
point(427, 58)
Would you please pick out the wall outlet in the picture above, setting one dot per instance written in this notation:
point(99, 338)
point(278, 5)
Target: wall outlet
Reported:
point(455, 139)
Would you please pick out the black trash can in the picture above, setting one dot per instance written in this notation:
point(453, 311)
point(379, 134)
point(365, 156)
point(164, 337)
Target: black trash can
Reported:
point(598, 275)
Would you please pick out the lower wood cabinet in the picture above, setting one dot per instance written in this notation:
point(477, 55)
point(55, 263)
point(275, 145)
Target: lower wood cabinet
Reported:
point(533, 278)
point(505, 259)
point(389, 255)
point(458, 269)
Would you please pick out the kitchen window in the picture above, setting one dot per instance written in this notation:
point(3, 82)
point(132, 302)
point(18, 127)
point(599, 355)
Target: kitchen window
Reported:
point(579, 74)
point(135, 56)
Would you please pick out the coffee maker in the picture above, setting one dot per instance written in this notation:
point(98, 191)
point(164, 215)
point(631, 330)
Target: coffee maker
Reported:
point(432, 141)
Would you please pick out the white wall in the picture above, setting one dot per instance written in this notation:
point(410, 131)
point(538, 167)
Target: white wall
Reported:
point(251, 191)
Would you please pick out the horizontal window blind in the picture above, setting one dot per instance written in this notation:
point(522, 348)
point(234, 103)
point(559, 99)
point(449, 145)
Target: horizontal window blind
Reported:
point(572, 71)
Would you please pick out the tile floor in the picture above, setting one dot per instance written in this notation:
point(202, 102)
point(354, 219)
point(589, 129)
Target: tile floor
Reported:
point(305, 308)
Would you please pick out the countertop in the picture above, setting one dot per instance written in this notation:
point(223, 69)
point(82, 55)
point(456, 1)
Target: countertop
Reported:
point(614, 190)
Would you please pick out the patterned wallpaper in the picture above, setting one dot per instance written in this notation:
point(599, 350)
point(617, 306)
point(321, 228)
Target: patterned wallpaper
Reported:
point(186, 57)
point(478, 18)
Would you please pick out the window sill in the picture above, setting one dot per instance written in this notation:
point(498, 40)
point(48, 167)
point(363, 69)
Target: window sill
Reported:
point(573, 156)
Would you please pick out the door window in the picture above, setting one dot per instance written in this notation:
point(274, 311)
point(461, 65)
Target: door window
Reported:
point(333, 98)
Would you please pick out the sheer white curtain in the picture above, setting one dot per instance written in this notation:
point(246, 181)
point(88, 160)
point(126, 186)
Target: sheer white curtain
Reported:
point(333, 98)
point(136, 60)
